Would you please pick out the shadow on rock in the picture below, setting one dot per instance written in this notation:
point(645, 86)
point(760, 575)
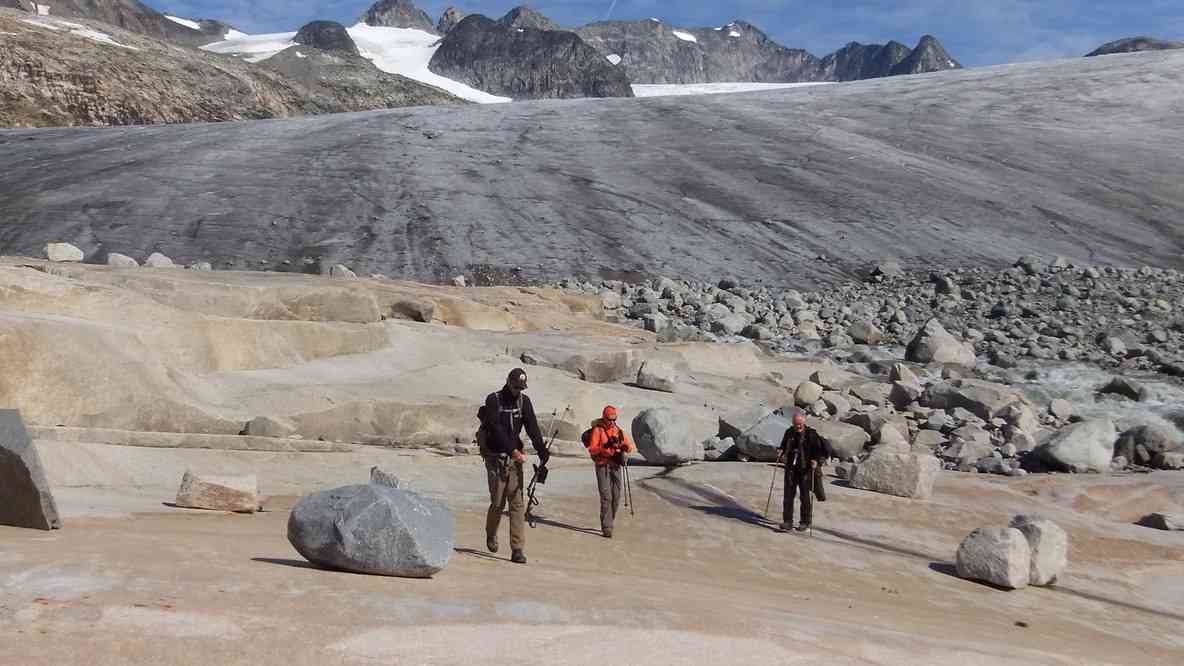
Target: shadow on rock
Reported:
point(286, 562)
point(539, 520)
point(689, 495)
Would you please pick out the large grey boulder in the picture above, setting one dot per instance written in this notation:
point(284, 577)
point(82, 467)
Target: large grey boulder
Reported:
point(736, 423)
point(934, 344)
point(985, 400)
point(998, 555)
point(657, 376)
point(665, 438)
point(846, 441)
point(373, 529)
point(239, 494)
point(901, 474)
point(1143, 443)
point(763, 440)
point(1085, 445)
point(1049, 545)
point(25, 497)
point(806, 394)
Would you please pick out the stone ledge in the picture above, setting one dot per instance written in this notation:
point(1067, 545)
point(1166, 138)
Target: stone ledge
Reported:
point(185, 440)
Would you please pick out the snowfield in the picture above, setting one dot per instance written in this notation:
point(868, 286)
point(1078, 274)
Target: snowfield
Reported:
point(76, 29)
point(685, 36)
point(402, 51)
point(672, 89)
point(182, 21)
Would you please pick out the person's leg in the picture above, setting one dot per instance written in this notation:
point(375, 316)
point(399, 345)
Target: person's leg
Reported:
point(517, 507)
point(494, 471)
point(604, 487)
point(804, 482)
point(614, 481)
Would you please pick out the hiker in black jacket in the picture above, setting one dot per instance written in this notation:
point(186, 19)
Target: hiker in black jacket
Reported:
point(505, 414)
point(802, 450)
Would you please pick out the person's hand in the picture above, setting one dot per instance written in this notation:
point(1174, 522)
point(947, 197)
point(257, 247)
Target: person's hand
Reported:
point(518, 456)
point(813, 464)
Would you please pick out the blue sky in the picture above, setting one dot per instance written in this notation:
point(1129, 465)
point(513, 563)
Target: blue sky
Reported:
point(976, 32)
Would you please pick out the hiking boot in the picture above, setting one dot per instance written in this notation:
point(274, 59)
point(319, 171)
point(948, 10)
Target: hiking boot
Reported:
point(608, 534)
point(491, 543)
point(785, 527)
point(803, 527)
point(518, 557)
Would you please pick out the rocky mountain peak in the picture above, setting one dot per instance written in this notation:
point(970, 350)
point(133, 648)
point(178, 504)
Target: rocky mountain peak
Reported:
point(525, 17)
point(449, 19)
point(526, 64)
point(928, 56)
point(327, 36)
point(398, 14)
point(1133, 45)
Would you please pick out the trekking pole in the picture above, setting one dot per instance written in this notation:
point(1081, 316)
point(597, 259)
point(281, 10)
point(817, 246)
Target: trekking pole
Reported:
point(769, 501)
point(628, 490)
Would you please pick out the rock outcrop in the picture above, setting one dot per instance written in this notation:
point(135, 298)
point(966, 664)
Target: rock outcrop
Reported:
point(1134, 45)
point(53, 78)
point(373, 529)
point(525, 17)
point(398, 14)
point(25, 497)
point(654, 52)
point(129, 15)
point(525, 63)
point(449, 20)
point(1000, 556)
point(327, 36)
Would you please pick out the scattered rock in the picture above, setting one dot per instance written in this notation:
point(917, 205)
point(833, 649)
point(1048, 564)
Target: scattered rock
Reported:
point(266, 426)
point(373, 529)
point(1142, 444)
point(459, 281)
point(379, 477)
point(998, 555)
point(807, 394)
point(846, 441)
point(62, 252)
point(1049, 545)
point(1061, 410)
point(1127, 388)
point(116, 260)
point(25, 497)
point(1163, 521)
point(203, 266)
point(1174, 460)
point(342, 272)
point(158, 260)
point(901, 474)
point(239, 494)
point(657, 376)
point(865, 333)
point(933, 344)
point(1088, 444)
point(664, 438)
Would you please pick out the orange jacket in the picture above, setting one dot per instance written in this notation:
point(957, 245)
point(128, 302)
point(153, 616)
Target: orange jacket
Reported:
point(607, 440)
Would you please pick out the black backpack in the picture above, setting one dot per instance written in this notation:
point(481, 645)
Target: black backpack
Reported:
point(586, 438)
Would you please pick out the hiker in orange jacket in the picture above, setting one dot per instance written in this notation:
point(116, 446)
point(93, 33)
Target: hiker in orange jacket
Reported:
point(608, 447)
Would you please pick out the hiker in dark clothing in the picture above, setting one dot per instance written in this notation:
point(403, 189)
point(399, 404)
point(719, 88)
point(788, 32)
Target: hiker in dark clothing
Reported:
point(802, 450)
point(505, 414)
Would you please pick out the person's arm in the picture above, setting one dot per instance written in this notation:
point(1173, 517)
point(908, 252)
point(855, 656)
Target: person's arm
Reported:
point(493, 427)
point(532, 430)
point(784, 452)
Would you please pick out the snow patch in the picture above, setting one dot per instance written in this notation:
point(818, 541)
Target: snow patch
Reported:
point(402, 51)
point(684, 36)
point(78, 30)
point(300, 55)
point(185, 22)
point(654, 20)
point(235, 34)
point(613, 58)
point(950, 64)
point(674, 89)
point(733, 34)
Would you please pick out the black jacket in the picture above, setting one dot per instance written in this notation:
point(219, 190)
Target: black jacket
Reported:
point(503, 419)
point(798, 450)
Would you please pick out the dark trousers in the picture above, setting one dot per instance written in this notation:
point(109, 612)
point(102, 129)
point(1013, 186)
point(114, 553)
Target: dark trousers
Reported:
point(608, 482)
point(797, 482)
